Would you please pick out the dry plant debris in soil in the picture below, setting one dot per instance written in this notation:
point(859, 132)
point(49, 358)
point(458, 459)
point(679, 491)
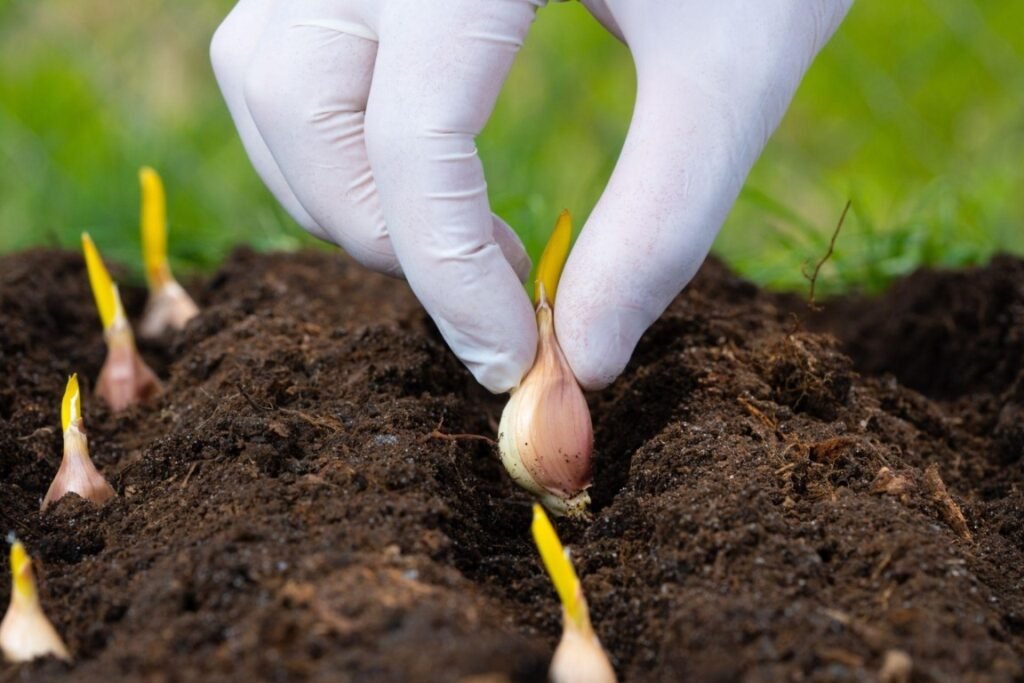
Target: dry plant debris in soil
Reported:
point(762, 511)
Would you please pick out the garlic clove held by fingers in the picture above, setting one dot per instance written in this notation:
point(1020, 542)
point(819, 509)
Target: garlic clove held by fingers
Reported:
point(546, 437)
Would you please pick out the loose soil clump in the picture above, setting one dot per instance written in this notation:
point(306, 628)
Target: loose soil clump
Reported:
point(290, 509)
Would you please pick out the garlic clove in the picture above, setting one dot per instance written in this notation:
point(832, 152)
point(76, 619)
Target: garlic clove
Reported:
point(169, 308)
point(546, 436)
point(25, 632)
point(77, 473)
point(579, 658)
point(125, 379)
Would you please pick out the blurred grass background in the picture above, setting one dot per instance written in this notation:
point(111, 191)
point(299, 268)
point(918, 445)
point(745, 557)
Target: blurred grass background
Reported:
point(915, 111)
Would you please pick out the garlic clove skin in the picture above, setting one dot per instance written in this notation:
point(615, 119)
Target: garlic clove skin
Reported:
point(169, 308)
point(546, 437)
point(77, 473)
point(573, 506)
point(579, 658)
point(25, 632)
point(125, 379)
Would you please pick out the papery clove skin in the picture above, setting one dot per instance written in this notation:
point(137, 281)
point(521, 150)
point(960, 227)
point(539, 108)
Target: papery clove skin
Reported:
point(25, 632)
point(77, 473)
point(125, 379)
point(546, 437)
point(579, 658)
point(169, 306)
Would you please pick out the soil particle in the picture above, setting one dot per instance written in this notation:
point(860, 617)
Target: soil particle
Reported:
point(946, 507)
point(765, 508)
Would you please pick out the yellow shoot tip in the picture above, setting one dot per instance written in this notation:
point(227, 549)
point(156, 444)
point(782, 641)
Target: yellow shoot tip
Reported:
point(108, 300)
point(71, 406)
point(549, 270)
point(21, 571)
point(153, 222)
point(559, 568)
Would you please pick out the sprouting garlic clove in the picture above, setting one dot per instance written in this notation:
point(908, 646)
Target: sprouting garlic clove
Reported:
point(125, 379)
point(546, 437)
point(579, 658)
point(169, 308)
point(77, 473)
point(25, 632)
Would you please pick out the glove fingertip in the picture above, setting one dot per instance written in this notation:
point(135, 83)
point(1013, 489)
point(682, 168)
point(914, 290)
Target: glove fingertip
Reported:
point(599, 345)
point(512, 248)
point(500, 371)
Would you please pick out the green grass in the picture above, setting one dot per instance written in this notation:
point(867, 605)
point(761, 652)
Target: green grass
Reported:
point(915, 111)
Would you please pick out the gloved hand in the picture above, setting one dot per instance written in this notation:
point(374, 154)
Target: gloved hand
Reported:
point(361, 116)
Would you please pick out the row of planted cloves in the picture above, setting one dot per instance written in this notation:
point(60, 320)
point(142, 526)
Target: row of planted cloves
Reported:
point(124, 380)
point(547, 410)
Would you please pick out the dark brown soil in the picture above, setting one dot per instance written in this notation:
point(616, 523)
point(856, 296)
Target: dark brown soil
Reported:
point(762, 512)
point(942, 333)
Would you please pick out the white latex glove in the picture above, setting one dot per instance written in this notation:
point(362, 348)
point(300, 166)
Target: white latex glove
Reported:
point(361, 115)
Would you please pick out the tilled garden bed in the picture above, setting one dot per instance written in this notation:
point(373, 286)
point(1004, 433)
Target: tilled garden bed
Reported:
point(295, 506)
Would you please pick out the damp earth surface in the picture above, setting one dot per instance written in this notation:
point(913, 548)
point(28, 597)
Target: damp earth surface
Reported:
point(779, 495)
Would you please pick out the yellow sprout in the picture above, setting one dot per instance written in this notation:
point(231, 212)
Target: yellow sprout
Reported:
point(559, 567)
point(579, 657)
point(549, 270)
point(108, 299)
point(169, 306)
point(71, 406)
point(153, 222)
point(21, 572)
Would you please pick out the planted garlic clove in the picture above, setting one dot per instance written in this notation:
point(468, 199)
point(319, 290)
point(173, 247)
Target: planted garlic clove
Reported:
point(125, 379)
point(77, 473)
point(579, 657)
point(546, 437)
point(25, 632)
point(169, 306)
